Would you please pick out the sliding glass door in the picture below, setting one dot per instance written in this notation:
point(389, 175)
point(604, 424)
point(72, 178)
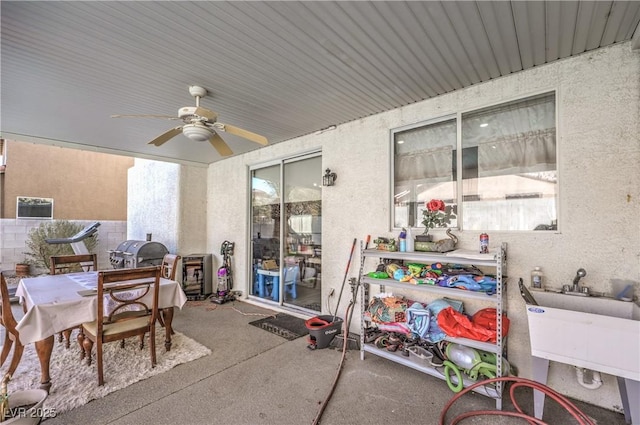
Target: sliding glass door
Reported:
point(286, 211)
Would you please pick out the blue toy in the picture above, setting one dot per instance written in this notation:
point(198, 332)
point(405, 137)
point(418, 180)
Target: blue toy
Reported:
point(398, 274)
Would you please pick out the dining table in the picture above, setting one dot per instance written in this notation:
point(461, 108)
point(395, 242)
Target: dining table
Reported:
point(54, 303)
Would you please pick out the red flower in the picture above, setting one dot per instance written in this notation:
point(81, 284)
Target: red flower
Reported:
point(435, 205)
point(436, 214)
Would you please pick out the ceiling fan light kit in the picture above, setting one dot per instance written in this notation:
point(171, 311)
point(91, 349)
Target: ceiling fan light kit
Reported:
point(200, 125)
point(196, 132)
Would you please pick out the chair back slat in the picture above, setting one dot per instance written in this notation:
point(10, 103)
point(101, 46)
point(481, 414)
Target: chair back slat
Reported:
point(6, 314)
point(12, 336)
point(169, 266)
point(126, 288)
point(61, 264)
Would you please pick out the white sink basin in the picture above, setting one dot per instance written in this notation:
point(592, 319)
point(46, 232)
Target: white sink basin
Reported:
point(600, 334)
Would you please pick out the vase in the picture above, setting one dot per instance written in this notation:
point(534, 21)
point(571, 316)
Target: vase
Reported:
point(425, 237)
point(22, 270)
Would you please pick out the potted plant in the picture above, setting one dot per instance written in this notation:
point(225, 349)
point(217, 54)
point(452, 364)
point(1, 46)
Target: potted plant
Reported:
point(21, 407)
point(436, 214)
point(23, 269)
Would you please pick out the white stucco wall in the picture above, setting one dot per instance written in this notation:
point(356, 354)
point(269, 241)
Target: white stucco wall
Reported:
point(153, 198)
point(192, 231)
point(169, 201)
point(599, 206)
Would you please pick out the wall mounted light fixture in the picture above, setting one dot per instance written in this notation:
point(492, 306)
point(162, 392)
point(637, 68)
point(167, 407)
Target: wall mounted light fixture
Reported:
point(329, 178)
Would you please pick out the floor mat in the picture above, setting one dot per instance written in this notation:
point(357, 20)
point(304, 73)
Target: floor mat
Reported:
point(313, 306)
point(284, 325)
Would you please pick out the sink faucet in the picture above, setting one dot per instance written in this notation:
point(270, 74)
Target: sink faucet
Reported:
point(579, 274)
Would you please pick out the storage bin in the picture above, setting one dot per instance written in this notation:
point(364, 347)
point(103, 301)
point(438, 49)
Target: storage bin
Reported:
point(322, 329)
point(420, 355)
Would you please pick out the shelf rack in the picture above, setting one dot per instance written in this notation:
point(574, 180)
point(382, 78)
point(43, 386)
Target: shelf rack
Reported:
point(495, 260)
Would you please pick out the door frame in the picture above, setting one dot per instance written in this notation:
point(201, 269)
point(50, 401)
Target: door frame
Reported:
point(281, 161)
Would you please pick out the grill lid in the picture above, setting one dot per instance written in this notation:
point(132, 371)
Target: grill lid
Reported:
point(143, 250)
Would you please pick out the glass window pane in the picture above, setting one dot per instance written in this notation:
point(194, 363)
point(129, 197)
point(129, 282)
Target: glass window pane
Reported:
point(424, 162)
point(28, 207)
point(509, 179)
point(265, 202)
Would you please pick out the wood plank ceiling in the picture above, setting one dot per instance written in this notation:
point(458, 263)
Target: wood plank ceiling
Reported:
point(280, 69)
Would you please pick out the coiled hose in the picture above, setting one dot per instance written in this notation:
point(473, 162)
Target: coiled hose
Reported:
point(582, 418)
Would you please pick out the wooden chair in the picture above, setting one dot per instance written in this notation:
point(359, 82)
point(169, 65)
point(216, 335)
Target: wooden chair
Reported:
point(126, 288)
point(62, 264)
point(9, 322)
point(168, 271)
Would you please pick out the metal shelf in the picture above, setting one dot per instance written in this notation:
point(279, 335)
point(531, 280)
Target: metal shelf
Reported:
point(438, 372)
point(495, 260)
point(433, 289)
point(458, 256)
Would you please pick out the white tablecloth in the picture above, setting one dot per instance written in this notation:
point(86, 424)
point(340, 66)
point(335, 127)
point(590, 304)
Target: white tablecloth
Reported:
point(54, 304)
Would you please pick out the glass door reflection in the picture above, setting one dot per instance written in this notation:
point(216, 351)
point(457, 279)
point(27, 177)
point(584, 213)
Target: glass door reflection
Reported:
point(302, 273)
point(265, 231)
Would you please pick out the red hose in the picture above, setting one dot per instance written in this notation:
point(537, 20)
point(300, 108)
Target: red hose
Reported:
point(582, 418)
point(325, 402)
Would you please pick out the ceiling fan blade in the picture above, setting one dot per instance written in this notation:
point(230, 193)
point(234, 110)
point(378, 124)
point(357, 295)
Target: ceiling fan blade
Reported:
point(166, 136)
point(204, 112)
point(220, 145)
point(243, 133)
point(168, 117)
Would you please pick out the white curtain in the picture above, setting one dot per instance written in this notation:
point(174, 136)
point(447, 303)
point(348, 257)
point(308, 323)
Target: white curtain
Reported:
point(513, 139)
point(433, 164)
point(425, 152)
point(519, 153)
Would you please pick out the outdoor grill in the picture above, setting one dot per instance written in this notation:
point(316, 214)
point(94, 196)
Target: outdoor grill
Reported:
point(133, 254)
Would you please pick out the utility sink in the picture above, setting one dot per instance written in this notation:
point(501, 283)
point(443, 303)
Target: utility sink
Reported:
point(596, 333)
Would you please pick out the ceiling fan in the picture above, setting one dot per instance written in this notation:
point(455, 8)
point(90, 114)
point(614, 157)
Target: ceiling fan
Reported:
point(200, 125)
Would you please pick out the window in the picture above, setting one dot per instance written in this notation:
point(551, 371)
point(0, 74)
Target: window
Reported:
point(34, 207)
point(424, 167)
point(509, 175)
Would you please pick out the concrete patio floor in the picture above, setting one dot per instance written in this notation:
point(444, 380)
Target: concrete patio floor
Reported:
point(255, 377)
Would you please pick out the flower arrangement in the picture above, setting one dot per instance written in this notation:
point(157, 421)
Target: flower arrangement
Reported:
point(437, 214)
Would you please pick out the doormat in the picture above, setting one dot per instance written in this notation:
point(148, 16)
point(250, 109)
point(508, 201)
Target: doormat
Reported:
point(313, 306)
point(284, 325)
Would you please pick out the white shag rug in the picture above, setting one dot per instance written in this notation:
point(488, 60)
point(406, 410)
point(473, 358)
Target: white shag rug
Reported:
point(75, 384)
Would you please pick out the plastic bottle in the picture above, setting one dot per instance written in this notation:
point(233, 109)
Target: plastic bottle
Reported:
point(536, 278)
point(403, 240)
point(410, 241)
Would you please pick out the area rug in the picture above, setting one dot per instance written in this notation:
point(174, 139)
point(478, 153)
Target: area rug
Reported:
point(284, 325)
point(75, 384)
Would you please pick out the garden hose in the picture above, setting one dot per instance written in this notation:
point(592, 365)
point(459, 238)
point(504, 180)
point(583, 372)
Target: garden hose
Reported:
point(576, 413)
point(348, 314)
point(325, 402)
point(451, 367)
